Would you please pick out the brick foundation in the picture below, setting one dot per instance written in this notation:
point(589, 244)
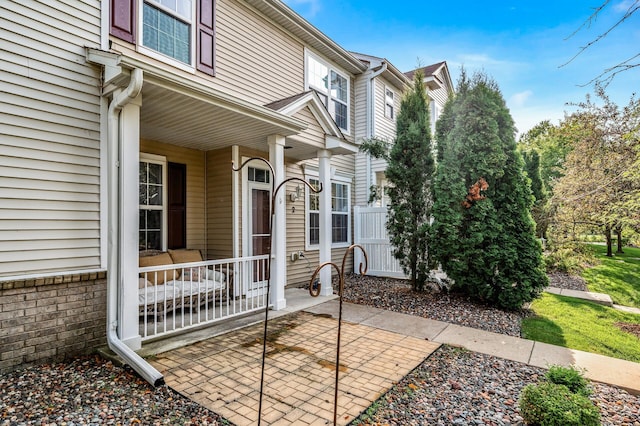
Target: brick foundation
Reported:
point(50, 319)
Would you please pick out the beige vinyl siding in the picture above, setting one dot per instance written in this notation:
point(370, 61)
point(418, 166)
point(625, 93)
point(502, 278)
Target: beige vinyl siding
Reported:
point(442, 94)
point(360, 184)
point(49, 138)
point(219, 204)
point(255, 59)
point(385, 128)
point(313, 134)
point(196, 184)
point(299, 272)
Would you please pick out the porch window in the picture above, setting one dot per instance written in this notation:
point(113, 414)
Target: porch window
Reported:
point(340, 213)
point(332, 86)
point(152, 198)
point(314, 214)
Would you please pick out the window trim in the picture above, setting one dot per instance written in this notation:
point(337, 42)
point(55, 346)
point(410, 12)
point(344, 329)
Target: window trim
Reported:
point(162, 160)
point(141, 48)
point(338, 178)
point(389, 102)
point(327, 92)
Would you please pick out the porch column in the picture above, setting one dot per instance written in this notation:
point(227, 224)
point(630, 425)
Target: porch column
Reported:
point(279, 232)
point(129, 223)
point(324, 171)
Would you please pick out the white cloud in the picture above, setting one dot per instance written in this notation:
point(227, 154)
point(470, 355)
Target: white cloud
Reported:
point(310, 7)
point(519, 99)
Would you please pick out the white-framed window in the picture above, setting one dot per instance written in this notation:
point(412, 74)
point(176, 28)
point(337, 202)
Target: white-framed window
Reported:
point(153, 200)
point(340, 212)
point(332, 86)
point(389, 96)
point(168, 29)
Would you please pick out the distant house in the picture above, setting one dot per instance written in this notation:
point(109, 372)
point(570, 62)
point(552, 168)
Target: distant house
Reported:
point(121, 218)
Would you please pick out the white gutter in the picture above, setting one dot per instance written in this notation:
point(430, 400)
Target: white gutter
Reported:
point(371, 111)
point(114, 277)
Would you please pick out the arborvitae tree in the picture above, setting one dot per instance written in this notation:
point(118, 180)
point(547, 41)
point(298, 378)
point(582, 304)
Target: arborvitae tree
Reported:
point(483, 234)
point(409, 171)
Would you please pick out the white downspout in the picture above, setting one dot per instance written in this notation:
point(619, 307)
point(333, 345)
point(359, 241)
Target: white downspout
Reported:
point(143, 368)
point(371, 113)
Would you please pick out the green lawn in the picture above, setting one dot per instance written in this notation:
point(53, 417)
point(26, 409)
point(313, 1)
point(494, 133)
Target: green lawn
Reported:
point(617, 276)
point(586, 326)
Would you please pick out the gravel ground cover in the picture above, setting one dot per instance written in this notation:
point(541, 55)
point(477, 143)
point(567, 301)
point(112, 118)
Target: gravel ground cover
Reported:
point(452, 386)
point(93, 391)
point(458, 387)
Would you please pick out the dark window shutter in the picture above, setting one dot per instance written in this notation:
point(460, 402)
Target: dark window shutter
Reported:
point(123, 19)
point(205, 36)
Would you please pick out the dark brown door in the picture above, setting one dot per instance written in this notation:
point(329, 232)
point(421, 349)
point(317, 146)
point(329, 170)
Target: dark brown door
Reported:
point(260, 218)
point(177, 200)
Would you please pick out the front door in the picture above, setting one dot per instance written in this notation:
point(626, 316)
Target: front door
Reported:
point(259, 188)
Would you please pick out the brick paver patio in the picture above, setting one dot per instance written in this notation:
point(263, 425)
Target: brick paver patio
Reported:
point(223, 373)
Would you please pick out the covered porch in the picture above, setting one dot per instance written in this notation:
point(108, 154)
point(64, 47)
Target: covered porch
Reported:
point(174, 142)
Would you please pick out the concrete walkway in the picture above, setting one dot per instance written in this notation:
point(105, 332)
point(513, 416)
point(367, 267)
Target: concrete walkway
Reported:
point(378, 348)
point(617, 372)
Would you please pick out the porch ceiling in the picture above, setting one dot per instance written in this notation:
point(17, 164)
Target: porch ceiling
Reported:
point(204, 122)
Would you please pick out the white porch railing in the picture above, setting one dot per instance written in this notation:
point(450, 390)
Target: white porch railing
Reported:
point(178, 297)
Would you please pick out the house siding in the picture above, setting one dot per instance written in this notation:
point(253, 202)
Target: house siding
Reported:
point(255, 59)
point(299, 272)
point(49, 138)
point(219, 204)
point(196, 186)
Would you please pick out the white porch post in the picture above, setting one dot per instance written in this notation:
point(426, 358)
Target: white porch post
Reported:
point(129, 223)
point(324, 171)
point(279, 234)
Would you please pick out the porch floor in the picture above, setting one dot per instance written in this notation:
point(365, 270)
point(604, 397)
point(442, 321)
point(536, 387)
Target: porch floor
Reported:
point(222, 373)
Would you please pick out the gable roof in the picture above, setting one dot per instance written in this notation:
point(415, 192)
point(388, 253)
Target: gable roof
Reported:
point(292, 104)
point(428, 71)
point(391, 73)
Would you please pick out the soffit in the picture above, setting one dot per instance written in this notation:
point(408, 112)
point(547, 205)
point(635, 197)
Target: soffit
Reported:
point(196, 122)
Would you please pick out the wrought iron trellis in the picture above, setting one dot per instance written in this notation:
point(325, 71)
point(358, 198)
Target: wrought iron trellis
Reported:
point(274, 191)
point(314, 290)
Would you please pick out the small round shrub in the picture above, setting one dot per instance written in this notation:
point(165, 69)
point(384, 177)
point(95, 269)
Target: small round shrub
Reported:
point(571, 377)
point(549, 404)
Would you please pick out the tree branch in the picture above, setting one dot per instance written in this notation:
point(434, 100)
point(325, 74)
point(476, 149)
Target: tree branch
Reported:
point(587, 23)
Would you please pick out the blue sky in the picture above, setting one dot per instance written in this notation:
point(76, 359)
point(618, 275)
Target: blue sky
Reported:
point(521, 44)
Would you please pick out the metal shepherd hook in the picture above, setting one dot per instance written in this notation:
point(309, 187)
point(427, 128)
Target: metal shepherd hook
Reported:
point(274, 192)
point(315, 292)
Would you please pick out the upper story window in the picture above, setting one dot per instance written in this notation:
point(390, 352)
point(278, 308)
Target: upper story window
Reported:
point(166, 28)
point(332, 86)
point(180, 32)
point(388, 103)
